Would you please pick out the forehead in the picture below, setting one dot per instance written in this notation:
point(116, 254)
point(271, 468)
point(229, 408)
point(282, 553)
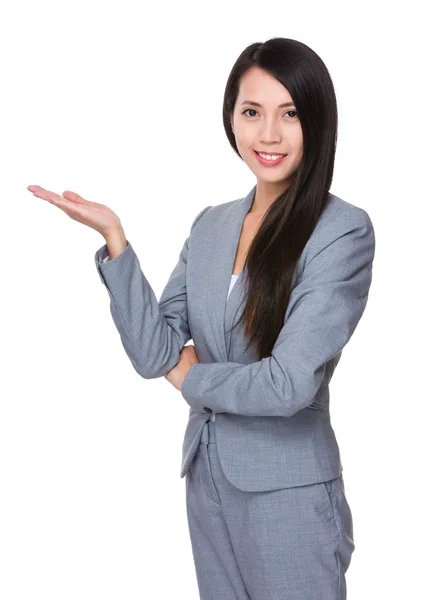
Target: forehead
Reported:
point(259, 86)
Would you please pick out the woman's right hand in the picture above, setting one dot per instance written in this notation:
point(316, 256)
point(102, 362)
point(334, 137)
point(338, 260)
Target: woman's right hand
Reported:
point(94, 215)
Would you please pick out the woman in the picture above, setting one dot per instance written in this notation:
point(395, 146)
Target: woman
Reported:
point(266, 505)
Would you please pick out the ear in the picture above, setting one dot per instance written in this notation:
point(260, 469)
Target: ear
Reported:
point(231, 123)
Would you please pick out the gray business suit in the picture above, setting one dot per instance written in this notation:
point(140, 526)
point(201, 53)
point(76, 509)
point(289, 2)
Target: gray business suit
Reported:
point(291, 537)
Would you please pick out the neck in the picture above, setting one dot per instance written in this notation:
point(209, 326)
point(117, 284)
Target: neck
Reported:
point(266, 194)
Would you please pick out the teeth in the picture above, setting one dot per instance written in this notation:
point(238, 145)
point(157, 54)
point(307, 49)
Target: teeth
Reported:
point(270, 157)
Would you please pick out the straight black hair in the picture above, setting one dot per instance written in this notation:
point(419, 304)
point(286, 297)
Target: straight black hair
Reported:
point(291, 218)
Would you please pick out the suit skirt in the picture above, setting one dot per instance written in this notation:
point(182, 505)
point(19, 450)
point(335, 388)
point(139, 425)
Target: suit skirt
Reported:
point(289, 544)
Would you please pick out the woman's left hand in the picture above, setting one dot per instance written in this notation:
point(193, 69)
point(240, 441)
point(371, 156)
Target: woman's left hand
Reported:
point(176, 375)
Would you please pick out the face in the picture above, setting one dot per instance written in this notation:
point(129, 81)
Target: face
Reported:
point(267, 128)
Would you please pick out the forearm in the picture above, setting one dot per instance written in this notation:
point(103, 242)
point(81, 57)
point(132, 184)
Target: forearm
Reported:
point(116, 242)
point(152, 334)
point(260, 389)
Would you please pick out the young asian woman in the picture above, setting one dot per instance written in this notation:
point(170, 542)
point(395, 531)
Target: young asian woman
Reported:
point(270, 287)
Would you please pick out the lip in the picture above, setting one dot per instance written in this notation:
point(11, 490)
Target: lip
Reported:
point(269, 163)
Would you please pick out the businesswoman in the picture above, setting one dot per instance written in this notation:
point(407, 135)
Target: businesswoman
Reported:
point(270, 287)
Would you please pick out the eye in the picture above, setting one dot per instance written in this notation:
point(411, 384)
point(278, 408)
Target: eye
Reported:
point(246, 110)
point(253, 110)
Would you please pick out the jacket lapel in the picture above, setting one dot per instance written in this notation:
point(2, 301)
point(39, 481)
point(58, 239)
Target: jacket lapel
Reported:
point(221, 309)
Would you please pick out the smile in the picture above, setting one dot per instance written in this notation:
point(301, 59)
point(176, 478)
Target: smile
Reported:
point(270, 159)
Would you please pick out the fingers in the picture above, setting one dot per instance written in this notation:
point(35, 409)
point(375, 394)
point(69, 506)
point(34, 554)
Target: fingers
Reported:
point(47, 195)
point(75, 210)
point(74, 197)
point(54, 198)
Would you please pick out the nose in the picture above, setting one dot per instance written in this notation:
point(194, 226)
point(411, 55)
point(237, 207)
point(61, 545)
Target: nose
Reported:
point(270, 132)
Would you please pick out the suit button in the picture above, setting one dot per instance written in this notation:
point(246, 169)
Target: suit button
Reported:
point(206, 409)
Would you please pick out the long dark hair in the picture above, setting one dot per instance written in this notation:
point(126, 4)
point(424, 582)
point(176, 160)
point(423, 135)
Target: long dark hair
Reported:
point(291, 218)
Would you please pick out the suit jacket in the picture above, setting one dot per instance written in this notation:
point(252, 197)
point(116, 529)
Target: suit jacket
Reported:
point(273, 426)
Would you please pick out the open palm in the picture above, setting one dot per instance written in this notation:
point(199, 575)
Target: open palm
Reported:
point(94, 215)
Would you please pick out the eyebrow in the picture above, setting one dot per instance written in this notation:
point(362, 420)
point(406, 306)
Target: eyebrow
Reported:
point(260, 106)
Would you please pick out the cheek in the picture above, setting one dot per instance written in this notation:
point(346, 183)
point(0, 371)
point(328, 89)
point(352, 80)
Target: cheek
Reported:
point(244, 137)
point(243, 147)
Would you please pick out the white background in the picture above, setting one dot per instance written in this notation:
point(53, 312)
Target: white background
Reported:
point(122, 104)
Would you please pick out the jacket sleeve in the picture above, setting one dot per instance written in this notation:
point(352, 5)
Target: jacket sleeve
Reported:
point(323, 312)
point(152, 333)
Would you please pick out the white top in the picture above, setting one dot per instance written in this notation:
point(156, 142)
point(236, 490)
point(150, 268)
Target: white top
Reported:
point(232, 283)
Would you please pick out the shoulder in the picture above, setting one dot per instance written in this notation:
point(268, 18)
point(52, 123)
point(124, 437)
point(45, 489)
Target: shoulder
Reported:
point(340, 213)
point(341, 220)
point(211, 214)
